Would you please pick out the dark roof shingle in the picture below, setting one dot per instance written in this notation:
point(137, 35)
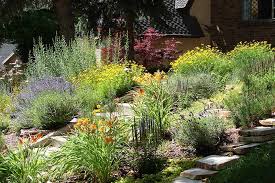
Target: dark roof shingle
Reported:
point(170, 22)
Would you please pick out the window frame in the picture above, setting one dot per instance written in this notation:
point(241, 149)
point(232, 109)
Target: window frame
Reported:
point(247, 12)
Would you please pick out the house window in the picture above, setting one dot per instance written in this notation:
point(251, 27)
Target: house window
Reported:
point(258, 9)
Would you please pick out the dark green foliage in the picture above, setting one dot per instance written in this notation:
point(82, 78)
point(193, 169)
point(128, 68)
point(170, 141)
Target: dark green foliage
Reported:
point(28, 26)
point(256, 167)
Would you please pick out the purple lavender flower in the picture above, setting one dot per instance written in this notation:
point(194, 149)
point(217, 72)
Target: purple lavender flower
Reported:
point(35, 86)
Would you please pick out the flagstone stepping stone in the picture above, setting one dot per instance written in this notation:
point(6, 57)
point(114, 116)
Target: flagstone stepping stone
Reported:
point(256, 139)
point(125, 109)
point(186, 180)
point(245, 148)
point(58, 141)
point(216, 162)
point(198, 173)
point(258, 131)
point(44, 141)
point(268, 122)
point(230, 147)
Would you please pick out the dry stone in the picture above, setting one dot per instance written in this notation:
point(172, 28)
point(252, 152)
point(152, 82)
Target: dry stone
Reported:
point(245, 148)
point(256, 139)
point(268, 122)
point(198, 173)
point(258, 131)
point(186, 180)
point(216, 162)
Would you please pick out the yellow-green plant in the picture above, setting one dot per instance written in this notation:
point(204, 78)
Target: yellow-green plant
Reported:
point(97, 84)
point(205, 59)
point(252, 57)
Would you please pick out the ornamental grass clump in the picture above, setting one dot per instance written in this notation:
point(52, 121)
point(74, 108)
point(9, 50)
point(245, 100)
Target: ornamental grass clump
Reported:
point(204, 59)
point(154, 99)
point(93, 150)
point(23, 166)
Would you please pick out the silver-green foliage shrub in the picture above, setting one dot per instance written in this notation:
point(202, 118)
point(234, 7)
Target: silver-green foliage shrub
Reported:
point(50, 110)
point(202, 133)
point(62, 59)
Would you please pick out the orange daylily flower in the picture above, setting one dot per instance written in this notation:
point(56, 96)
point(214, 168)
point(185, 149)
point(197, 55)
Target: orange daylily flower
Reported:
point(93, 127)
point(101, 129)
point(108, 139)
point(21, 141)
point(109, 124)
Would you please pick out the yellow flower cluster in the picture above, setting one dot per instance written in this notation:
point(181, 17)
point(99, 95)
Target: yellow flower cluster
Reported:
point(253, 48)
point(107, 73)
point(204, 58)
point(101, 128)
point(148, 78)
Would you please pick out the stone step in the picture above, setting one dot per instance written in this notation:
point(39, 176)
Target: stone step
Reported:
point(245, 148)
point(230, 147)
point(268, 122)
point(186, 180)
point(198, 173)
point(125, 109)
point(216, 162)
point(58, 141)
point(258, 131)
point(256, 139)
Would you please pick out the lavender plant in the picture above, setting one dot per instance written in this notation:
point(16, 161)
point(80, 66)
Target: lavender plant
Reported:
point(36, 86)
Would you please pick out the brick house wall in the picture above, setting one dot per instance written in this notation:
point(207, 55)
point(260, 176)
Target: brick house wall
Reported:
point(228, 27)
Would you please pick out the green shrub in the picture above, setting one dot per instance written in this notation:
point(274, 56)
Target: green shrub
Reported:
point(89, 151)
point(258, 166)
point(5, 121)
point(204, 59)
point(2, 143)
point(249, 57)
point(98, 84)
point(61, 59)
point(202, 133)
point(5, 102)
point(194, 87)
point(252, 102)
point(49, 110)
point(23, 166)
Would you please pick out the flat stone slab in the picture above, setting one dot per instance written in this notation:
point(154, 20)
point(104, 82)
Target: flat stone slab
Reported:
point(268, 122)
point(198, 173)
point(258, 131)
point(230, 147)
point(245, 148)
point(256, 139)
point(58, 141)
point(186, 180)
point(44, 141)
point(216, 162)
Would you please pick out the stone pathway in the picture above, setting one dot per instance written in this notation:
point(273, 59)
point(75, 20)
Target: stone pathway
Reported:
point(210, 165)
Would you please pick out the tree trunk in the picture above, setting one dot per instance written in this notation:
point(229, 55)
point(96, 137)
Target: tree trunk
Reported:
point(130, 18)
point(64, 13)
